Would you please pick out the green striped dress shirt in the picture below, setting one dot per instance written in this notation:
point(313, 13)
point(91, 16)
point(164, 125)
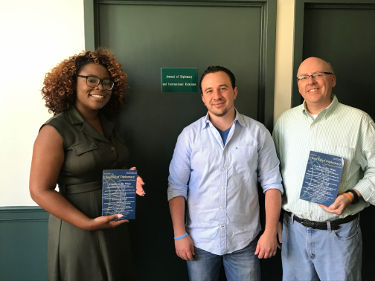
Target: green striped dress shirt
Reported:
point(339, 130)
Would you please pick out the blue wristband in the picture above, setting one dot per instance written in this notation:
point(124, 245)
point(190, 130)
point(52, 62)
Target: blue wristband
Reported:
point(180, 237)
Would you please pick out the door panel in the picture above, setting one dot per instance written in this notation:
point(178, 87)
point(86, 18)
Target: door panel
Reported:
point(342, 33)
point(148, 35)
point(345, 37)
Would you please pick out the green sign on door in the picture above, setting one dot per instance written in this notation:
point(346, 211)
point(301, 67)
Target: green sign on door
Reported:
point(175, 80)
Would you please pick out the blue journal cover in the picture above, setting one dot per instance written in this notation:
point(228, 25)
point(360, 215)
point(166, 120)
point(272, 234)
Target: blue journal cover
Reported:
point(322, 178)
point(118, 193)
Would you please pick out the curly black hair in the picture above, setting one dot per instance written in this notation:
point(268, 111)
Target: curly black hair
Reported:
point(59, 90)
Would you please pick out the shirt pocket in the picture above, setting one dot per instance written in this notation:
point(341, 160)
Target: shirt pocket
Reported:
point(348, 230)
point(82, 148)
point(80, 160)
point(348, 153)
point(244, 159)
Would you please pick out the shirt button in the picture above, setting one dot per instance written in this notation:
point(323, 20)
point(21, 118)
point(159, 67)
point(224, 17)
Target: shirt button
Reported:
point(222, 207)
point(222, 188)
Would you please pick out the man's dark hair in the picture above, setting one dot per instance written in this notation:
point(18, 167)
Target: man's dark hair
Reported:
point(217, 68)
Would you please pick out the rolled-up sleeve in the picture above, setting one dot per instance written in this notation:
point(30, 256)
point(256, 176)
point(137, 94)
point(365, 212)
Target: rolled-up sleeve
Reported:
point(179, 168)
point(366, 186)
point(268, 165)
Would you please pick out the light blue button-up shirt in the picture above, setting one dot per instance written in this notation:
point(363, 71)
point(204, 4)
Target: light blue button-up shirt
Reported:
point(219, 181)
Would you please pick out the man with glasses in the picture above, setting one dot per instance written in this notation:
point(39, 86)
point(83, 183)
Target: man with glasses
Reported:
point(324, 242)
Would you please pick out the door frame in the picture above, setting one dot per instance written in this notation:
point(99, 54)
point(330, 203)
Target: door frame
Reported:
point(299, 15)
point(267, 41)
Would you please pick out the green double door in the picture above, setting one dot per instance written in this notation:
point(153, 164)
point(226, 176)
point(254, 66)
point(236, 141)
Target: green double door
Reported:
point(148, 35)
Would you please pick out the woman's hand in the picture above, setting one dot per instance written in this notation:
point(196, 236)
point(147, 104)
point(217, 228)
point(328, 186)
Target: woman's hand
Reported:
point(105, 222)
point(140, 183)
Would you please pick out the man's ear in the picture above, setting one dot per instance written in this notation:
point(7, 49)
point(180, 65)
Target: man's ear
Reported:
point(333, 80)
point(235, 90)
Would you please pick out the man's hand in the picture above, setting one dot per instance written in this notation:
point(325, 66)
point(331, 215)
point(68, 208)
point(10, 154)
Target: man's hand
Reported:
point(185, 248)
point(338, 206)
point(267, 245)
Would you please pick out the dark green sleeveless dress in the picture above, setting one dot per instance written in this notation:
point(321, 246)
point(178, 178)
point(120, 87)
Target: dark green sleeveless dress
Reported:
point(75, 254)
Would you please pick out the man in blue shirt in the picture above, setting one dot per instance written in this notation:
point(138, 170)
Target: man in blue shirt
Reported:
point(216, 166)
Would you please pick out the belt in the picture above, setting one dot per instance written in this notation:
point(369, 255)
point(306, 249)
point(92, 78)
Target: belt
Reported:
point(80, 188)
point(323, 225)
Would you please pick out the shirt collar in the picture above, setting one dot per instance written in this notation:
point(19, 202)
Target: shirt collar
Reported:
point(76, 118)
point(326, 111)
point(238, 119)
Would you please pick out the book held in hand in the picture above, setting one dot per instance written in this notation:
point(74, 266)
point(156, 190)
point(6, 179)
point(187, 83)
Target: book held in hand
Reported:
point(118, 193)
point(322, 178)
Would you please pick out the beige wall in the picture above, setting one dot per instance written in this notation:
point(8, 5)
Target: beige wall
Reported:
point(284, 56)
point(35, 36)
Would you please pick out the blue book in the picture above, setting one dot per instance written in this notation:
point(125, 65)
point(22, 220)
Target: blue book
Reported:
point(322, 178)
point(118, 193)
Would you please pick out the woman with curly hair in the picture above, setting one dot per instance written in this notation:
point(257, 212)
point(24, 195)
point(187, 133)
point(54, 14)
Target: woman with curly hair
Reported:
point(71, 150)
